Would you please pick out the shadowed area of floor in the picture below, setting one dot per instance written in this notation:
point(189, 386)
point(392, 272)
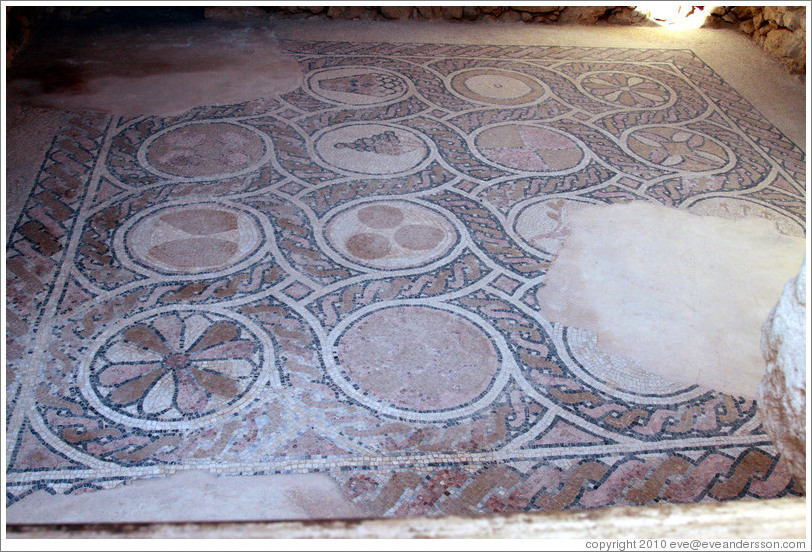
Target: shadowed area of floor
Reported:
point(158, 69)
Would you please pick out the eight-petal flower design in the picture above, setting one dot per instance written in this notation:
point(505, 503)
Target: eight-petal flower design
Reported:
point(174, 367)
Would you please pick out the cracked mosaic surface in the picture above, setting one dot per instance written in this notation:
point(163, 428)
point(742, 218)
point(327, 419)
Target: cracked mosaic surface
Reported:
point(342, 279)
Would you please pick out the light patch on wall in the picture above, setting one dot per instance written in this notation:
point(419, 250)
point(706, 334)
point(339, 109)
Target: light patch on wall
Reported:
point(674, 15)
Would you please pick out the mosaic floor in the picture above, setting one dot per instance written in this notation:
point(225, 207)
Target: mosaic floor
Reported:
point(342, 279)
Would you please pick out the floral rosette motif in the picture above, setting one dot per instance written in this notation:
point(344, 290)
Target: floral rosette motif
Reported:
point(678, 149)
point(173, 367)
point(626, 90)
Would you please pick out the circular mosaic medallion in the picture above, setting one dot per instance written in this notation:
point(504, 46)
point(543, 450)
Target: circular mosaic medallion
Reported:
point(496, 87)
point(734, 208)
point(204, 150)
point(357, 86)
point(418, 358)
point(177, 366)
point(625, 90)
point(530, 148)
point(391, 234)
point(543, 224)
point(677, 148)
point(373, 149)
point(193, 238)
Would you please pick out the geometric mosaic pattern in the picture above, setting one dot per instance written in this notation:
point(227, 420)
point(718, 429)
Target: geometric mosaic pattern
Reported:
point(342, 279)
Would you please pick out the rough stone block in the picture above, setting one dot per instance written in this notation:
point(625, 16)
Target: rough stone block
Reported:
point(336, 11)
point(796, 66)
point(626, 16)
point(742, 11)
point(452, 12)
point(782, 393)
point(233, 13)
point(583, 15)
point(783, 43)
point(546, 17)
point(396, 12)
point(536, 9)
point(794, 19)
point(511, 16)
point(731, 17)
point(470, 13)
point(358, 12)
point(746, 26)
point(773, 13)
point(761, 33)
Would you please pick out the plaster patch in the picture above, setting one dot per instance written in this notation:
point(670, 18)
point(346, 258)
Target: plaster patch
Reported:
point(684, 296)
point(211, 498)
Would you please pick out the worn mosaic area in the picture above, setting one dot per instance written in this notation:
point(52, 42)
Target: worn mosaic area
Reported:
point(342, 279)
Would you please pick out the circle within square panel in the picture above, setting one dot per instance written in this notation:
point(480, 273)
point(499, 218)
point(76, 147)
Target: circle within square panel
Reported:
point(497, 87)
point(391, 235)
point(357, 86)
point(373, 149)
point(175, 368)
point(418, 358)
point(194, 238)
point(530, 148)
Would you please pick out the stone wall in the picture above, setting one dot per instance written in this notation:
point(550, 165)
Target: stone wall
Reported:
point(780, 30)
point(20, 21)
point(585, 15)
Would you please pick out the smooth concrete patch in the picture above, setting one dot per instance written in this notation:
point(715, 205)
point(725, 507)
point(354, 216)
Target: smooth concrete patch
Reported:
point(155, 70)
point(684, 296)
point(211, 498)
